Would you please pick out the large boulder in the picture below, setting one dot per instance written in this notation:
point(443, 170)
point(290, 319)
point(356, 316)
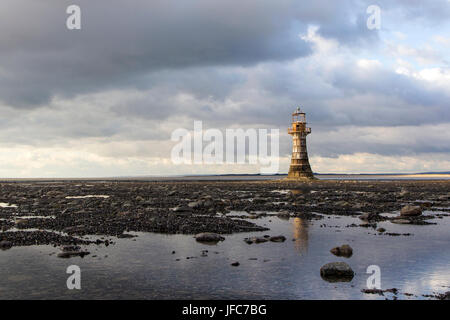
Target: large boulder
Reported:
point(208, 237)
point(411, 211)
point(5, 245)
point(336, 272)
point(279, 238)
point(345, 251)
point(72, 251)
point(70, 254)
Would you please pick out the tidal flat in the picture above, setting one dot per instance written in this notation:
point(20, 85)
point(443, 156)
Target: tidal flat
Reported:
point(135, 239)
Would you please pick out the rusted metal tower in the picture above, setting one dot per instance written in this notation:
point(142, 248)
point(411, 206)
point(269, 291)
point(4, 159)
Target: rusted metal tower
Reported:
point(300, 168)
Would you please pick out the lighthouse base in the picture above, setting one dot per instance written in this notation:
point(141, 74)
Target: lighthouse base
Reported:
point(300, 172)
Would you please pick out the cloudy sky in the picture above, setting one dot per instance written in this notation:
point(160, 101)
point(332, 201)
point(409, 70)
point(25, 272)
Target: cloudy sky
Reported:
point(104, 100)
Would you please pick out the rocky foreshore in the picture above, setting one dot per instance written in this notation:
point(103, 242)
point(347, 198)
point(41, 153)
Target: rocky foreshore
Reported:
point(61, 213)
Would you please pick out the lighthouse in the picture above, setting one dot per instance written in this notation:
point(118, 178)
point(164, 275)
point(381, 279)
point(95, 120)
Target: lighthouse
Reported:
point(300, 168)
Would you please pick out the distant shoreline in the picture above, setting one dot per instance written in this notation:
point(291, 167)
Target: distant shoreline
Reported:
point(240, 177)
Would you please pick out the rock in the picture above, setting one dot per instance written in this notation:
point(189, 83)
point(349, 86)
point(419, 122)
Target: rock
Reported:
point(364, 216)
point(278, 238)
point(139, 198)
point(235, 264)
point(208, 203)
point(337, 271)
point(127, 204)
point(368, 225)
point(427, 204)
point(358, 206)
point(381, 229)
point(401, 221)
point(125, 236)
point(411, 211)
point(208, 237)
point(54, 193)
point(342, 203)
point(369, 216)
point(70, 248)
point(344, 250)
point(283, 215)
point(444, 296)
point(195, 204)
point(256, 240)
point(5, 245)
point(392, 290)
point(74, 229)
point(373, 291)
point(21, 223)
point(259, 239)
point(182, 209)
point(403, 193)
point(70, 254)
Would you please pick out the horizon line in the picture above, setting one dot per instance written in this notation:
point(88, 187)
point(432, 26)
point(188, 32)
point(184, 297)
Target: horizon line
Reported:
point(220, 175)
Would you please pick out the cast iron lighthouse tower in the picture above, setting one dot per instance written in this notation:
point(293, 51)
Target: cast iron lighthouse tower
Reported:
point(300, 168)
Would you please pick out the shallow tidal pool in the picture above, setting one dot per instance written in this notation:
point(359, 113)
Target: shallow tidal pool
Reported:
point(145, 267)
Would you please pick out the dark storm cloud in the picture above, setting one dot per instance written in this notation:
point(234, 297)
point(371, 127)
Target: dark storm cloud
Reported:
point(122, 40)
